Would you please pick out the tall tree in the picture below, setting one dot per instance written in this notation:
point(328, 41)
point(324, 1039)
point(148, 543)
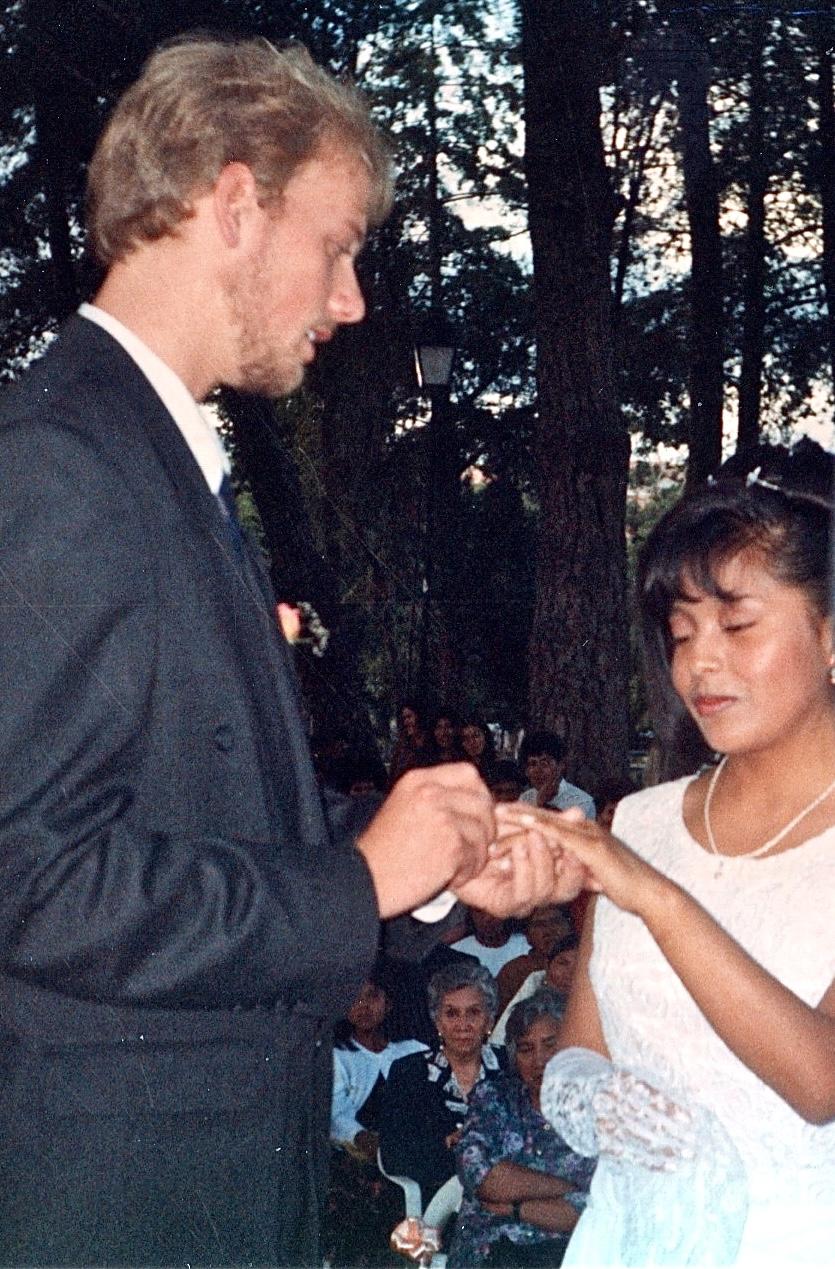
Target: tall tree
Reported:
point(824, 37)
point(579, 647)
point(442, 85)
point(754, 302)
point(706, 290)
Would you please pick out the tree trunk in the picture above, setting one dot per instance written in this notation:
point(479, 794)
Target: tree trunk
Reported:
point(706, 288)
point(825, 33)
point(753, 321)
point(638, 160)
point(579, 651)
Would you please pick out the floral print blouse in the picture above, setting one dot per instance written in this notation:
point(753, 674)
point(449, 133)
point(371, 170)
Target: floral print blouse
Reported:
point(503, 1125)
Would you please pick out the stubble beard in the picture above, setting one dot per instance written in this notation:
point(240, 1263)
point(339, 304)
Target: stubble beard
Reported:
point(260, 369)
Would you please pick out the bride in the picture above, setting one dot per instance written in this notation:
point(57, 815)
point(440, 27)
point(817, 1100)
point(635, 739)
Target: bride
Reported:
point(700, 1036)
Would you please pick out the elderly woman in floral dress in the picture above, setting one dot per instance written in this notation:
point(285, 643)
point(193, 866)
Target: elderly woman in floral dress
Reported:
point(523, 1187)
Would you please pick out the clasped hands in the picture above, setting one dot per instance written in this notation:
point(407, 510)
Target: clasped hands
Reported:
point(439, 829)
point(525, 866)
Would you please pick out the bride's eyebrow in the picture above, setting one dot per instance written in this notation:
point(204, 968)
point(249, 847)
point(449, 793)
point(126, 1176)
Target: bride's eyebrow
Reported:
point(737, 596)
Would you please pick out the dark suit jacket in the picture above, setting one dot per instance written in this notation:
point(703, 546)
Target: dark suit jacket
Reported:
point(178, 926)
point(419, 1111)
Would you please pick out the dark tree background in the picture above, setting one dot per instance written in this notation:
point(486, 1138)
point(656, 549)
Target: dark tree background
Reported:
point(579, 658)
point(676, 172)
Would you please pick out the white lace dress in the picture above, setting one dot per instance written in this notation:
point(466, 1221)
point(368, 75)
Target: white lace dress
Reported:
point(782, 911)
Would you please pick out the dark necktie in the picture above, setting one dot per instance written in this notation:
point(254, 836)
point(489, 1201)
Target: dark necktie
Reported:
point(250, 572)
point(226, 498)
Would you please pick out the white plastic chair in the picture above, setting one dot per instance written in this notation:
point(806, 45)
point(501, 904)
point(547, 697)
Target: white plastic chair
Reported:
point(410, 1188)
point(444, 1203)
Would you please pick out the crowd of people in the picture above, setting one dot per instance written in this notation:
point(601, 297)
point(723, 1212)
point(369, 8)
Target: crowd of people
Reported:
point(438, 1064)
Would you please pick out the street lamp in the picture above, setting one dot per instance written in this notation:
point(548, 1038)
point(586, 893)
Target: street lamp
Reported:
point(434, 357)
point(433, 363)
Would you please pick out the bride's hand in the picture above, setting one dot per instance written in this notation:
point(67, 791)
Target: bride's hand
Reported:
point(568, 874)
point(610, 867)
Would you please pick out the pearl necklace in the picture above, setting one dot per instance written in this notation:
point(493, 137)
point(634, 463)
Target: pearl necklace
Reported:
point(772, 841)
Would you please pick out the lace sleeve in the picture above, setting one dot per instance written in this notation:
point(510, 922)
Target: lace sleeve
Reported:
point(675, 1174)
point(571, 1080)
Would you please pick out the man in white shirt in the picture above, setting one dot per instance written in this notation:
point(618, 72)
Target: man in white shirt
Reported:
point(542, 756)
point(179, 923)
point(492, 942)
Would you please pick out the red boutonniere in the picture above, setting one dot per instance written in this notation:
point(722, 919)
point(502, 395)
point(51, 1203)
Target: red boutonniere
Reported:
point(300, 623)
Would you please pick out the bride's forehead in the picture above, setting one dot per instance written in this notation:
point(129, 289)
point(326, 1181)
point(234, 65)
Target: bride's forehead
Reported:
point(727, 577)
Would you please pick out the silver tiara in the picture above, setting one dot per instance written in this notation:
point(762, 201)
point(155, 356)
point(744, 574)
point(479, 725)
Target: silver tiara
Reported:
point(754, 478)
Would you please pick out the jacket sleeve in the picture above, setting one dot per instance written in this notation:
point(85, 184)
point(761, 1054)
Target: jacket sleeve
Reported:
point(95, 903)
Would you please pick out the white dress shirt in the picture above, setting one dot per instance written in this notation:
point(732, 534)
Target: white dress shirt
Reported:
point(494, 958)
point(197, 429)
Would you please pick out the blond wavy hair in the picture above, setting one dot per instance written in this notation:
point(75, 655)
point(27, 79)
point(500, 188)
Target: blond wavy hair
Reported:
point(203, 102)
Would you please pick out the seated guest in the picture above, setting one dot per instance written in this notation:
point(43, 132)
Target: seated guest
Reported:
point(408, 983)
point(491, 941)
point(607, 796)
point(523, 1187)
point(542, 756)
point(557, 975)
point(443, 743)
point(362, 776)
point(562, 959)
point(477, 746)
point(424, 1101)
point(362, 1057)
point(542, 929)
point(410, 746)
point(505, 781)
point(360, 1210)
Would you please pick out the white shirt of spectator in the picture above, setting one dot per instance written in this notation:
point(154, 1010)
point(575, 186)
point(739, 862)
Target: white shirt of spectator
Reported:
point(567, 795)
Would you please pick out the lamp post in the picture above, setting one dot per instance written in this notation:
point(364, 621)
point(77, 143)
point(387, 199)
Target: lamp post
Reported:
point(434, 357)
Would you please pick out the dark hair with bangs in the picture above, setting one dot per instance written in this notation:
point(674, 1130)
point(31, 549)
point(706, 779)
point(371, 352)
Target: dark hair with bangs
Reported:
point(544, 1003)
point(768, 499)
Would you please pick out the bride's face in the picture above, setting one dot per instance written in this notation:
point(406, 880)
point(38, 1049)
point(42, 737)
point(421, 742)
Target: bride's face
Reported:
point(751, 664)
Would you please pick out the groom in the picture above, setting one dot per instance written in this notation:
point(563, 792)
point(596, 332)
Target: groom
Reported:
point(179, 926)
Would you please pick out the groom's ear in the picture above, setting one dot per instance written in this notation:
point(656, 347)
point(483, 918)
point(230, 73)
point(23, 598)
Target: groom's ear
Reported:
point(235, 201)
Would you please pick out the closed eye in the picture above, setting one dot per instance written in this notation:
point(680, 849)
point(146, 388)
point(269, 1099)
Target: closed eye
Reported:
point(345, 247)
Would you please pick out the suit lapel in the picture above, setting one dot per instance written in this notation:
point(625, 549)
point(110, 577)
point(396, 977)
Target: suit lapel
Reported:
point(141, 411)
point(146, 415)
